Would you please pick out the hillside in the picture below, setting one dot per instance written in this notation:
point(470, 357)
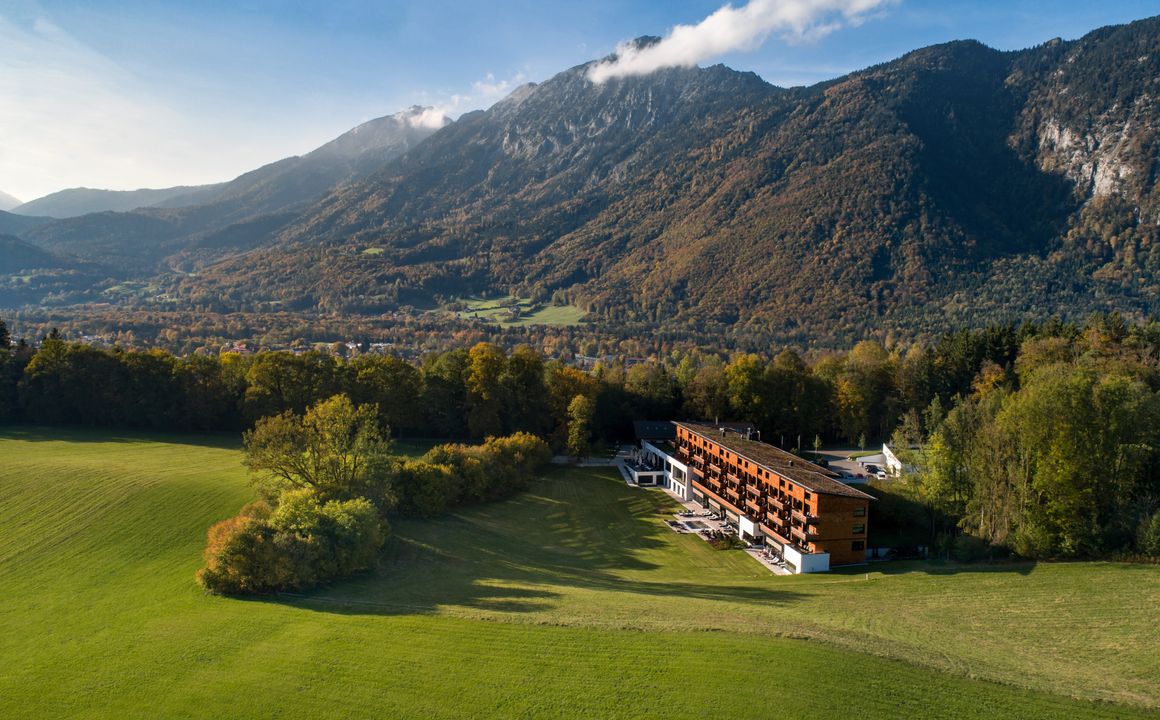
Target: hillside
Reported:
point(74, 202)
point(7, 202)
point(957, 183)
point(191, 225)
point(576, 588)
point(17, 255)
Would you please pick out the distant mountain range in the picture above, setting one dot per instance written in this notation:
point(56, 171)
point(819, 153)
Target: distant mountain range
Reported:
point(82, 201)
point(955, 185)
point(7, 202)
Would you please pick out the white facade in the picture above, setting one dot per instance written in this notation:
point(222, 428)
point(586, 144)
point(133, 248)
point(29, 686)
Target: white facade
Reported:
point(799, 562)
point(676, 473)
point(893, 465)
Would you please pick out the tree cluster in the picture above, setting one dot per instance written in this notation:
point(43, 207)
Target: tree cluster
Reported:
point(1055, 455)
point(328, 481)
point(325, 486)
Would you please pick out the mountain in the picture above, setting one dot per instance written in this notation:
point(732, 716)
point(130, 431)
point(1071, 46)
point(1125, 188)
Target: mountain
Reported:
point(7, 202)
point(17, 255)
point(75, 202)
point(29, 274)
point(291, 183)
point(955, 185)
point(185, 225)
point(12, 224)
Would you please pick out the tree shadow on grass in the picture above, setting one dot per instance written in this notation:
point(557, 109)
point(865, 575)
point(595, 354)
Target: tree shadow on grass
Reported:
point(520, 556)
point(938, 567)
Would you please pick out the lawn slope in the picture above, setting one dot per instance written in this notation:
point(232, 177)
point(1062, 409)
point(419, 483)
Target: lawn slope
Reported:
point(569, 601)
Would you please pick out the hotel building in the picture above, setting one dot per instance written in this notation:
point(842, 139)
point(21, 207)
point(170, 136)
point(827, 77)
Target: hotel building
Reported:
point(800, 509)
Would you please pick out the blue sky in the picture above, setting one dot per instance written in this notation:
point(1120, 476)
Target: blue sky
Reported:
point(133, 93)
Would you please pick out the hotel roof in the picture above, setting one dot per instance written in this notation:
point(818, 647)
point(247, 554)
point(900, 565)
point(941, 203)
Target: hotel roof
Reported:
point(787, 465)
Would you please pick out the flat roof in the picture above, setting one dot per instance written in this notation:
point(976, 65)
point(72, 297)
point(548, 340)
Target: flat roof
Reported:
point(654, 430)
point(803, 472)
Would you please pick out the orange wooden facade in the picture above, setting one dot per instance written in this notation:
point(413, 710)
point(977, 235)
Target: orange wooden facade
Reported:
point(792, 501)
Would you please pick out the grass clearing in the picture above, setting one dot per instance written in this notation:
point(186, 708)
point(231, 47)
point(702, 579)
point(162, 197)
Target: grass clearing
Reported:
point(570, 600)
point(499, 310)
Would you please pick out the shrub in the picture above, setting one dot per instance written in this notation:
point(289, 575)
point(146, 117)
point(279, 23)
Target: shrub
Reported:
point(299, 544)
point(966, 548)
point(1148, 536)
point(452, 474)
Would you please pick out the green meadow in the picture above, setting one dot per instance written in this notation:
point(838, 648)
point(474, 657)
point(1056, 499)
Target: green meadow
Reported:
point(571, 600)
point(497, 310)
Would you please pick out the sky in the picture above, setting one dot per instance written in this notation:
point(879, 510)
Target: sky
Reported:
point(124, 94)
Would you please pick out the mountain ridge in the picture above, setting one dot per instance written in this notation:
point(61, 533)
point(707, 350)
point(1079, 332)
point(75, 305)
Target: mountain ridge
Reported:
point(705, 195)
point(957, 184)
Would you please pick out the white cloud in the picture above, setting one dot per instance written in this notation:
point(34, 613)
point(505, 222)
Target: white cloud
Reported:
point(428, 117)
point(484, 93)
point(731, 29)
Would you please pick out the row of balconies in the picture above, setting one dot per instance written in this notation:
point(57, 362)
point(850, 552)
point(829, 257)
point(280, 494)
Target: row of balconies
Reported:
point(783, 524)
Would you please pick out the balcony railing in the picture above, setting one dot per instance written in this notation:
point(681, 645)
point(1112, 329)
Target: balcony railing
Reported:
point(803, 518)
point(714, 468)
point(802, 534)
point(754, 506)
point(775, 502)
point(771, 532)
point(730, 492)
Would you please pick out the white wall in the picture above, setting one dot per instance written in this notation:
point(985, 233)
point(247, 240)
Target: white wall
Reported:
point(683, 487)
point(803, 563)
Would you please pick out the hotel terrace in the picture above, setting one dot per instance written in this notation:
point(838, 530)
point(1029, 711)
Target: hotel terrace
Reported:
point(769, 495)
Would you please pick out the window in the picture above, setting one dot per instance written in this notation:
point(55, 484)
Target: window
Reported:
point(858, 545)
point(859, 528)
point(807, 496)
point(860, 511)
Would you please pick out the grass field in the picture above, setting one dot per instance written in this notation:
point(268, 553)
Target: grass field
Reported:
point(496, 310)
point(572, 600)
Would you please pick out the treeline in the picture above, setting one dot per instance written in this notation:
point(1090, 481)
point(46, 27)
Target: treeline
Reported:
point(1054, 455)
point(328, 482)
point(856, 397)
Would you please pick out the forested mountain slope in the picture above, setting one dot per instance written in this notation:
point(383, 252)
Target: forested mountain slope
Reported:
point(956, 181)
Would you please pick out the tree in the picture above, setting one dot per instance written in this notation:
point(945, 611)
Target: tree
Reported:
point(525, 392)
point(445, 392)
point(652, 390)
point(580, 413)
point(393, 385)
point(748, 389)
point(485, 390)
point(335, 449)
point(5, 337)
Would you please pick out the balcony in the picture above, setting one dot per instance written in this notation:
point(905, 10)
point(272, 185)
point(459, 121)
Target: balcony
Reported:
point(803, 518)
point(754, 506)
point(770, 532)
point(733, 494)
point(733, 478)
point(714, 468)
point(802, 535)
point(775, 502)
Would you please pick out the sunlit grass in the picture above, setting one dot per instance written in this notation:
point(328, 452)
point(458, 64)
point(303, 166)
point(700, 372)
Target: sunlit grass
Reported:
point(572, 600)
